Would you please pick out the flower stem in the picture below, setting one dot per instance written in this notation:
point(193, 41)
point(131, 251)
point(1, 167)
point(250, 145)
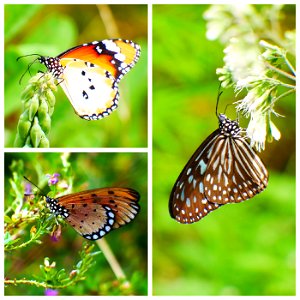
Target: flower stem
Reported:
point(279, 97)
point(290, 66)
point(283, 73)
point(36, 283)
point(110, 257)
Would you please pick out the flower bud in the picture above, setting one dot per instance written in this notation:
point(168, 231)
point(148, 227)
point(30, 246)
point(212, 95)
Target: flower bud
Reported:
point(45, 124)
point(33, 108)
point(72, 274)
point(50, 98)
point(28, 93)
point(44, 143)
point(24, 128)
point(43, 109)
point(36, 133)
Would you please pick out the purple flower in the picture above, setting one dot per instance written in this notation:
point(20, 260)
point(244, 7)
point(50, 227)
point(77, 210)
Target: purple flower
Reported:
point(56, 234)
point(53, 179)
point(50, 292)
point(28, 188)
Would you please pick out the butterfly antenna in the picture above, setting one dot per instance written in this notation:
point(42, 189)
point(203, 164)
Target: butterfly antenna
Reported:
point(34, 185)
point(28, 56)
point(218, 98)
point(29, 65)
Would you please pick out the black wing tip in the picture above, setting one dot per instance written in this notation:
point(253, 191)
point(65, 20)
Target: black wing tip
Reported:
point(171, 200)
point(171, 208)
point(134, 193)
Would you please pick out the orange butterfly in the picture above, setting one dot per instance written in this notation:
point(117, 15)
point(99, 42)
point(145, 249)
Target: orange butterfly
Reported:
point(89, 74)
point(94, 213)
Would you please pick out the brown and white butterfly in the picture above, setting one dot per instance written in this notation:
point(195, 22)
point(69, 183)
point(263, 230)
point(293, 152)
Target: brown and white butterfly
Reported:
point(224, 169)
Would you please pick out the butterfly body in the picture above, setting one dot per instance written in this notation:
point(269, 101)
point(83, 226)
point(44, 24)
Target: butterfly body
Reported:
point(224, 169)
point(94, 213)
point(89, 74)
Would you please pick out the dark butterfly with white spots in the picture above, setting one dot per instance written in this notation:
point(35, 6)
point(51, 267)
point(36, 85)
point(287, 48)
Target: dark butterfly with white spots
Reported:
point(224, 169)
point(94, 213)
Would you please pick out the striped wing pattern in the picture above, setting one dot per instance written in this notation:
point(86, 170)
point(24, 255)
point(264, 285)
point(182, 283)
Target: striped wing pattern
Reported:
point(224, 169)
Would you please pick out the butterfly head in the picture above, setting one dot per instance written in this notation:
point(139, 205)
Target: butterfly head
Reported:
point(52, 64)
point(229, 127)
point(56, 208)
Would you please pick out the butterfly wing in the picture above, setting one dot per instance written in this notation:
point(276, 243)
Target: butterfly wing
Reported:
point(89, 74)
point(92, 221)
point(235, 172)
point(116, 56)
point(92, 91)
point(95, 213)
point(188, 202)
point(223, 169)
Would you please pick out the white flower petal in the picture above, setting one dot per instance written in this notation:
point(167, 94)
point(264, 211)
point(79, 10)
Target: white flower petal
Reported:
point(275, 131)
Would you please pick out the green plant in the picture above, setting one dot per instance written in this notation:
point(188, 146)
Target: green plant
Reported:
point(53, 277)
point(22, 214)
point(240, 249)
point(29, 224)
point(65, 28)
point(35, 122)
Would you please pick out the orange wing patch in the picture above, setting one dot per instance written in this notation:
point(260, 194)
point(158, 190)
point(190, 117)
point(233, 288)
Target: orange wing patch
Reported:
point(116, 56)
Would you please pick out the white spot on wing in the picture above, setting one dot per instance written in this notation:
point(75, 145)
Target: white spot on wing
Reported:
point(201, 187)
point(188, 202)
point(203, 167)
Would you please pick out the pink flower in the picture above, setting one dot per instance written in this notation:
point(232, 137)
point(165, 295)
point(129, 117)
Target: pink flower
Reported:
point(50, 292)
point(53, 179)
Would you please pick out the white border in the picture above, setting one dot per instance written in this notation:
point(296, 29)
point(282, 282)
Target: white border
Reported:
point(149, 149)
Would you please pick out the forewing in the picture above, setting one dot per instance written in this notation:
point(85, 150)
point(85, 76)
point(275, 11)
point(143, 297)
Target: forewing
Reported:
point(123, 202)
point(117, 56)
point(188, 202)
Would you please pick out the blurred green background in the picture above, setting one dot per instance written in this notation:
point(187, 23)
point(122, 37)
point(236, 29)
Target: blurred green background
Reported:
point(129, 243)
point(239, 249)
point(52, 29)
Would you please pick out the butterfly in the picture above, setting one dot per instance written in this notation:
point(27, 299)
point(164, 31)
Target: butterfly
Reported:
point(90, 73)
point(94, 213)
point(224, 169)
